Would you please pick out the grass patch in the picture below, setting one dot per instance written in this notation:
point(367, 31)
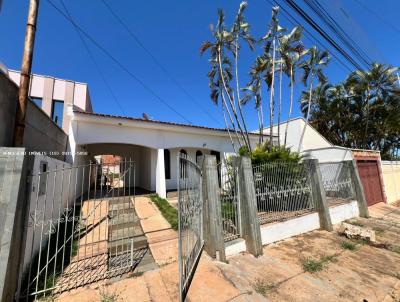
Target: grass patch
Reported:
point(378, 230)
point(168, 211)
point(313, 266)
point(263, 287)
point(347, 245)
point(107, 296)
point(394, 248)
point(355, 222)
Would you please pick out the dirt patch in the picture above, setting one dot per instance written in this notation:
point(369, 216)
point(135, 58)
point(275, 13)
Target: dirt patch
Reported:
point(324, 266)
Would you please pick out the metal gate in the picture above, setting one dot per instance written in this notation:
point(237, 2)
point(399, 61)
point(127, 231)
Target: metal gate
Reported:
point(370, 178)
point(190, 217)
point(81, 227)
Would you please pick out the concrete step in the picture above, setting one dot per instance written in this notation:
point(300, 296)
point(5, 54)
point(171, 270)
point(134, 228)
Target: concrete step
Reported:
point(117, 210)
point(116, 247)
point(114, 234)
point(123, 219)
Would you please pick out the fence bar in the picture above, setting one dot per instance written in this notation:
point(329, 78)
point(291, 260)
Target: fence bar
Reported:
point(358, 188)
point(319, 197)
point(250, 224)
point(214, 238)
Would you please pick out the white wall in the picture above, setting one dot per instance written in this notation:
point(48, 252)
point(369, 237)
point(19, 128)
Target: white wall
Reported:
point(312, 138)
point(330, 154)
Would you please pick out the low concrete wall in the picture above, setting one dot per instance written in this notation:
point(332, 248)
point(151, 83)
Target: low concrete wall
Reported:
point(14, 167)
point(391, 180)
point(344, 211)
point(281, 230)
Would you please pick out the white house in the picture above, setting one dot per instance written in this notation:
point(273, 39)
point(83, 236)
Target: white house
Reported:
point(314, 143)
point(153, 145)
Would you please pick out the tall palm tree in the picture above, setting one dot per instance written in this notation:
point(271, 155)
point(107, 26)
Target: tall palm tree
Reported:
point(221, 72)
point(275, 31)
point(240, 29)
point(313, 68)
point(291, 51)
point(372, 85)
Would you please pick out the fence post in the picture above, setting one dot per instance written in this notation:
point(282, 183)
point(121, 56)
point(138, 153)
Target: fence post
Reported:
point(358, 188)
point(248, 205)
point(318, 195)
point(214, 242)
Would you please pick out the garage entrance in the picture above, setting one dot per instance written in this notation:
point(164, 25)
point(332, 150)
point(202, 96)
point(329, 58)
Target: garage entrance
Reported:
point(371, 180)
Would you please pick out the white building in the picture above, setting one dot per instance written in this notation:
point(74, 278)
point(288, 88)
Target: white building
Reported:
point(153, 145)
point(53, 96)
point(314, 143)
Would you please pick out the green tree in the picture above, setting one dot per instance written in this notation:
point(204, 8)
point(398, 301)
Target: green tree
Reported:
point(313, 69)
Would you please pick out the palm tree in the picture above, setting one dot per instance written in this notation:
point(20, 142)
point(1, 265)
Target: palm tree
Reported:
point(313, 68)
point(274, 33)
point(240, 29)
point(373, 85)
point(291, 51)
point(221, 74)
point(221, 71)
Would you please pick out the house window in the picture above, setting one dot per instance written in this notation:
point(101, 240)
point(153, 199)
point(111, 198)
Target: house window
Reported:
point(37, 101)
point(167, 164)
point(199, 154)
point(57, 112)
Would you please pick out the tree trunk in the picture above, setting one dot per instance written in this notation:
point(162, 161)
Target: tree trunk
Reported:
point(227, 128)
point(230, 99)
point(280, 104)
point(291, 104)
point(223, 97)
point(271, 97)
point(308, 115)
point(364, 143)
point(238, 96)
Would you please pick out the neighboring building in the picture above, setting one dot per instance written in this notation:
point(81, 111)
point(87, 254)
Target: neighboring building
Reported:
point(314, 143)
point(53, 95)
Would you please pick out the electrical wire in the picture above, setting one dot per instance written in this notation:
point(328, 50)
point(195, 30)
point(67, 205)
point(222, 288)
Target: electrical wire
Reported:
point(91, 56)
point(117, 62)
point(156, 61)
point(309, 35)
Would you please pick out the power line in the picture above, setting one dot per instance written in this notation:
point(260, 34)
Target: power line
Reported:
point(322, 32)
point(116, 61)
point(308, 34)
point(331, 23)
point(92, 58)
point(155, 60)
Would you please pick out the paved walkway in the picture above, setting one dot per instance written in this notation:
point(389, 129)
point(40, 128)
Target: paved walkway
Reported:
point(367, 273)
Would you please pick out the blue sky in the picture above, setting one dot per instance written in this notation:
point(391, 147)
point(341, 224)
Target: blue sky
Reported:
point(173, 31)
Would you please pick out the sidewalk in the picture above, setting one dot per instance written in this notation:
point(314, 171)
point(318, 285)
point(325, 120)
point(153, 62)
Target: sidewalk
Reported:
point(161, 284)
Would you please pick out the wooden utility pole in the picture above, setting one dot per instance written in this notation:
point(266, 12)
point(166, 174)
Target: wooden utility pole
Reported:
point(26, 67)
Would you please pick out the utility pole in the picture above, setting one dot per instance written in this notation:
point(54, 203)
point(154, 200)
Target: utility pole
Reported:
point(26, 67)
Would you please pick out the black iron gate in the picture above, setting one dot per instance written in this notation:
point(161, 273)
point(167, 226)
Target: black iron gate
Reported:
point(191, 240)
point(81, 226)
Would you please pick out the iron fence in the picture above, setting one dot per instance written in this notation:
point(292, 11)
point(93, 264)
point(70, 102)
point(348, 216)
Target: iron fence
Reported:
point(283, 190)
point(190, 217)
point(230, 206)
point(337, 182)
point(80, 229)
